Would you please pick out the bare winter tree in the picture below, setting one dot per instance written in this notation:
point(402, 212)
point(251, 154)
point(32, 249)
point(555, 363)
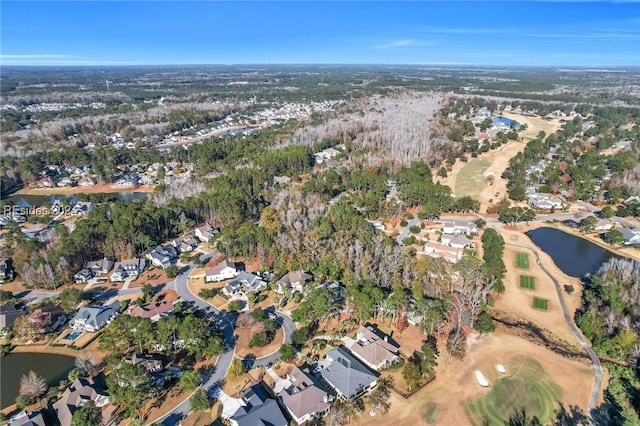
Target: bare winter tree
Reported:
point(32, 385)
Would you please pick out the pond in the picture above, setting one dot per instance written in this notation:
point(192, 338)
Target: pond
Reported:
point(50, 366)
point(507, 121)
point(24, 200)
point(575, 256)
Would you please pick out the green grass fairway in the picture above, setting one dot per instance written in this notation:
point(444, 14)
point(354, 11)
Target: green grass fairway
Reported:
point(540, 303)
point(526, 386)
point(522, 260)
point(527, 282)
point(470, 180)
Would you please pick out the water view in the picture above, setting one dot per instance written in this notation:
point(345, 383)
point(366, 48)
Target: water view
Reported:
point(575, 256)
point(507, 121)
point(52, 367)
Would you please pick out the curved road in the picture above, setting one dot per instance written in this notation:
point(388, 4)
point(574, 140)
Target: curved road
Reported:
point(597, 382)
point(224, 361)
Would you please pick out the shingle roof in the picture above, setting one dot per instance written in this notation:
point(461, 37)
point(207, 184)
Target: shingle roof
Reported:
point(304, 397)
point(259, 410)
point(346, 374)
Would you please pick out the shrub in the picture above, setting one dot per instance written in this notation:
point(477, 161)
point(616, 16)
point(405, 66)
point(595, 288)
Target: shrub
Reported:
point(409, 240)
point(260, 340)
point(287, 352)
point(207, 293)
point(403, 222)
point(414, 229)
point(235, 306)
point(200, 401)
point(189, 380)
point(569, 288)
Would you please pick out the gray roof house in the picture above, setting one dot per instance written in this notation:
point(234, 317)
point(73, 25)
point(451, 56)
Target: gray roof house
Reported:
point(346, 375)
point(222, 271)
point(374, 349)
point(163, 256)
point(246, 282)
point(185, 244)
point(127, 268)
point(33, 418)
point(100, 267)
point(294, 280)
point(6, 270)
point(82, 208)
point(75, 396)
point(630, 237)
point(8, 315)
point(205, 233)
point(93, 318)
point(83, 275)
point(258, 410)
point(304, 400)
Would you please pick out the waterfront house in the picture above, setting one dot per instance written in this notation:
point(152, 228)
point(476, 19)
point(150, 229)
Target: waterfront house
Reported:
point(93, 318)
point(76, 395)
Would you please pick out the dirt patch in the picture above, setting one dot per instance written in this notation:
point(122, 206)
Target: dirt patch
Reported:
point(153, 276)
point(455, 384)
point(244, 336)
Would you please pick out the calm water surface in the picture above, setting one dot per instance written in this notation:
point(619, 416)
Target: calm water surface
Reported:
point(52, 367)
point(575, 256)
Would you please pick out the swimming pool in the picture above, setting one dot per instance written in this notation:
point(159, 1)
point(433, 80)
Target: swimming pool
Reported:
point(74, 335)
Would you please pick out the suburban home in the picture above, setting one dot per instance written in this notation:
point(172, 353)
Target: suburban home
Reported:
point(335, 288)
point(45, 182)
point(153, 311)
point(6, 270)
point(57, 207)
point(8, 315)
point(83, 275)
point(33, 418)
point(100, 267)
point(257, 409)
point(76, 395)
point(86, 181)
point(82, 208)
point(163, 256)
point(205, 233)
point(457, 227)
point(245, 282)
point(293, 281)
point(456, 241)
point(544, 201)
point(185, 244)
point(630, 237)
point(47, 318)
point(222, 271)
point(346, 375)
point(65, 181)
point(304, 400)
point(374, 350)
point(603, 225)
point(93, 318)
point(127, 268)
point(152, 364)
point(437, 250)
point(324, 155)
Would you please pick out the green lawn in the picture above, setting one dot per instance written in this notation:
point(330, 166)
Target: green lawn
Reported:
point(527, 386)
point(522, 260)
point(470, 180)
point(527, 282)
point(540, 303)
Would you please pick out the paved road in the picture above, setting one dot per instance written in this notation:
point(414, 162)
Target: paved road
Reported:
point(406, 231)
point(597, 382)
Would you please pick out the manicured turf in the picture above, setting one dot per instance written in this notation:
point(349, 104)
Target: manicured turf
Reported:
point(527, 282)
point(470, 180)
point(540, 303)
point(527, 386)
point(522, 260)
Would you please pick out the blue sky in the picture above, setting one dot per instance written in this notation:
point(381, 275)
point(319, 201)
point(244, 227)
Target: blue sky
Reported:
point(479, 33)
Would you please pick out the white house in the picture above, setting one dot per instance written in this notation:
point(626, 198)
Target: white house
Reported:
point(294, 281)
point(374, 350)
point(244, 282)
point(222, 271)
point(456, 241)
point(205, 233)
point(457, 227)
point(86, 181)
point(127, 268)
point(448, 253)
point(630, 237)
point(603, 225)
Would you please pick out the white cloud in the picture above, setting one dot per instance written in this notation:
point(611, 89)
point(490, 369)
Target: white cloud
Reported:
point(404, 43)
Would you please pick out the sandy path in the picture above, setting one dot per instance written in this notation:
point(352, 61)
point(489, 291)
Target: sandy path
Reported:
point(455, 384)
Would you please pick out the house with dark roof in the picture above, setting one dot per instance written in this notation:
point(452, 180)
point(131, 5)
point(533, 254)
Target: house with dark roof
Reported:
point(293, 281)
point(245, 282)
point(82, 208)
point(222, 271)
point(185, 244)
point(163, 256)
point(153, 311)
point(23, 418)
point(374, 349)
point(47, 318)
point(8, 315)
point(127, 268)
point(93, 318)
point(257, 409)
point(83, 275)
point(6, 270)
point(304, 399)
point(347, 376)
point(76, 395)
point(151, 363)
